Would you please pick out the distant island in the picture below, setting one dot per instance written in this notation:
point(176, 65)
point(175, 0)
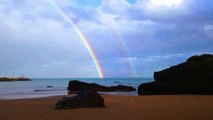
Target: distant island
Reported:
point(10, 79)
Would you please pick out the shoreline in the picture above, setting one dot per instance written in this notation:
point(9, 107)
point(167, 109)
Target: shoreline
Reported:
point(119, 107)
point(44, 94)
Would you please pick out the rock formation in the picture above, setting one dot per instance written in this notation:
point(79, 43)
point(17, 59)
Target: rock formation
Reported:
point(195, 76)
point(85, 98)
point(78, 86)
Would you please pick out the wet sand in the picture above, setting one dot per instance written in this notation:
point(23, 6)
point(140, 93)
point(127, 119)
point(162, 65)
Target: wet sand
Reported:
point(157, 107)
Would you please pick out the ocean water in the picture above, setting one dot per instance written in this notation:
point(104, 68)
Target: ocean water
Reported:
point(38, 86)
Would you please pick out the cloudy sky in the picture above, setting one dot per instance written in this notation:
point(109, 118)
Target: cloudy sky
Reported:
point(131, 38)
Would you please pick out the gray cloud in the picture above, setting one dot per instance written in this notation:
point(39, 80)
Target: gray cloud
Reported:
point(36, 40)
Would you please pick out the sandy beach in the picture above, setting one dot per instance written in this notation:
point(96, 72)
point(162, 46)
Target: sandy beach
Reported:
point(158, 107)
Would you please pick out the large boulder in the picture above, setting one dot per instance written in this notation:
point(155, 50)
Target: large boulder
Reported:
point(85, 98)
point(195, 76)
point(76, 85)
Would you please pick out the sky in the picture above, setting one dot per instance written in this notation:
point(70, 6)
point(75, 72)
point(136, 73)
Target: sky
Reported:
point(130, 38)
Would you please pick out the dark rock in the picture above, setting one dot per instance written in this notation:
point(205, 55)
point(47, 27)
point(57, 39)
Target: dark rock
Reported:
point(78, 86)
point(122, 88)
point(49, 86)
point(85, 98)
point(195, 76)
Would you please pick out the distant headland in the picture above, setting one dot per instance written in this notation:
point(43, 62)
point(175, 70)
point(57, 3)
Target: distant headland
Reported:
point(10, 79)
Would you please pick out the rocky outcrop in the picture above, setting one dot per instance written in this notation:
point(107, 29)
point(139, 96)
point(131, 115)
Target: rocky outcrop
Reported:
point(9, 79)
point(78, 86)
point(195, 76)
point(85, 98)
point(122, 88)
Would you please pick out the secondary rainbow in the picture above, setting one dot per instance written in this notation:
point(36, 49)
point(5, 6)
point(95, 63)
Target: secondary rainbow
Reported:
point(82, 37)
point(119, 38)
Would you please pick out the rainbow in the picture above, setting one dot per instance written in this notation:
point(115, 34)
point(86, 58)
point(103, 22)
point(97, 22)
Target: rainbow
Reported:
point(82, 37)
point(119, 38)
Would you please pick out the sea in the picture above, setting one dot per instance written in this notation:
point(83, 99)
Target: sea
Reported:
point(45, 87)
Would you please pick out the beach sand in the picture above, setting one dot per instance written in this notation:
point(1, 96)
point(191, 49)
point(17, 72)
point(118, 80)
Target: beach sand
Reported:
point(156, 107)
